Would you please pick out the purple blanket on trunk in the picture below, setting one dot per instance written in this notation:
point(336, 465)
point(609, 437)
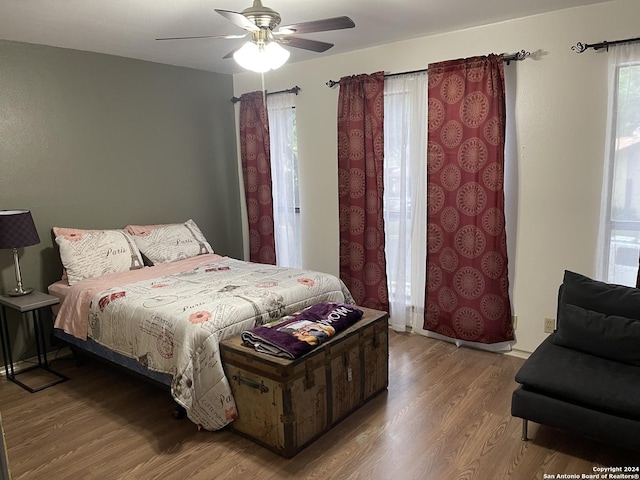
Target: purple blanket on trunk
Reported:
point(294, 335)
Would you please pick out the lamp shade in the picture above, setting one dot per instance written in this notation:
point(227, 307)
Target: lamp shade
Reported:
point(261, 58)
point(17, 229)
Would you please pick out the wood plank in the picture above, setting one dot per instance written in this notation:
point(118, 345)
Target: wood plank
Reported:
point(446, 415)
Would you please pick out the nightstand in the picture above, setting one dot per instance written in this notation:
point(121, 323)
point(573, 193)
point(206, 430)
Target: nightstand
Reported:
point(27, 305)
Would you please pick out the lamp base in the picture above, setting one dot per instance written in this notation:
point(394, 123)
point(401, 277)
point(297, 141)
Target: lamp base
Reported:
point(18, 292)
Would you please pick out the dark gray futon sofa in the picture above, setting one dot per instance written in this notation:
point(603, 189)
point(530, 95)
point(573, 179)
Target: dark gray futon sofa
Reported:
point(585, 377)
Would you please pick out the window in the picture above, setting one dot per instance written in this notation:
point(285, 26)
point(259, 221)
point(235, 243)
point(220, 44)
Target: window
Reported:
point(620, 225)
point(284, 173)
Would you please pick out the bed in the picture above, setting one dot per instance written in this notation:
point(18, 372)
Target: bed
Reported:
point(165, 320)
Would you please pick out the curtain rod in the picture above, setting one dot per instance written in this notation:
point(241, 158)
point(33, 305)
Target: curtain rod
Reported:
point(581, 47)
point(513, 57)
point(295, 90)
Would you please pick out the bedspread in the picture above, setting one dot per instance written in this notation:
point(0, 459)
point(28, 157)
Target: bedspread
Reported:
point(173, 323)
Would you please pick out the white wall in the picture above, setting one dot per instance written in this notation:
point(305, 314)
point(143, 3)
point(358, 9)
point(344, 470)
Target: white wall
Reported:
point(558, 140)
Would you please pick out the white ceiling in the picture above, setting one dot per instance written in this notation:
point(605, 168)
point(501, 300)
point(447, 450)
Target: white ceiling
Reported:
point(129, 28)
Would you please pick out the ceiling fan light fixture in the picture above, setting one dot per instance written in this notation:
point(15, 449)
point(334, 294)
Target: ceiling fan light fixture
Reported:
point(277, 54)
point(261, 58)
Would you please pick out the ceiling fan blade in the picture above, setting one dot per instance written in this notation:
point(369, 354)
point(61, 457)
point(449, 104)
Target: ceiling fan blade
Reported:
point(239, 20)
point(304, 43)
point(228, 37)
point(325, 25)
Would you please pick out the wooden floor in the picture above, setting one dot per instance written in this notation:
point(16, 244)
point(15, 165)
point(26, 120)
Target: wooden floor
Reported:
point(445, 416)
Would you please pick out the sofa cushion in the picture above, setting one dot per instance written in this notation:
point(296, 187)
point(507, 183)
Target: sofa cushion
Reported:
point(608, 336)
point(600, 297)
point(582, 379)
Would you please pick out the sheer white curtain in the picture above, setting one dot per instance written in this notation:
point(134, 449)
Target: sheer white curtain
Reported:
point(405, 185)
point(284, 177)
point(619, 239)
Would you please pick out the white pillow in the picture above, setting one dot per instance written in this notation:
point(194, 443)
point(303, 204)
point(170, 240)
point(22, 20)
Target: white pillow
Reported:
point(168, 243)
point(92, 253)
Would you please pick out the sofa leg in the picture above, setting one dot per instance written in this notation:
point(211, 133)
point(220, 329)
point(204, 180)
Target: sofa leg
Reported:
point(525, 425)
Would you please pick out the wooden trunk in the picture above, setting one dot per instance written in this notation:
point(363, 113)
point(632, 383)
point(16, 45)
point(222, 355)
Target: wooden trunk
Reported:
point(286, 404)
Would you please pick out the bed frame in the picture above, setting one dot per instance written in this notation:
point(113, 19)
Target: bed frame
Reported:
point(89, 347)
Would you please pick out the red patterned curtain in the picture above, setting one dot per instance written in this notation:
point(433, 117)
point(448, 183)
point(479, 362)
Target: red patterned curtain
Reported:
point(467, 294)
point(360, 188)
point(256, 171)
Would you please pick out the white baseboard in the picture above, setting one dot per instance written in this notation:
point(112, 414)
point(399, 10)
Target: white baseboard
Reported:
point(519, 354)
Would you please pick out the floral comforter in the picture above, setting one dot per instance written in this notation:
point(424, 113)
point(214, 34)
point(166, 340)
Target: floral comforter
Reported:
point(174, 323)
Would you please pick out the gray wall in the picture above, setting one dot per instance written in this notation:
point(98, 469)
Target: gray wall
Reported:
point(96, 141)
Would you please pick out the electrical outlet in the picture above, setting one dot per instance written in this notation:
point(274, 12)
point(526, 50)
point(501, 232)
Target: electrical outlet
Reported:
point(514, 321)
point(549, 325)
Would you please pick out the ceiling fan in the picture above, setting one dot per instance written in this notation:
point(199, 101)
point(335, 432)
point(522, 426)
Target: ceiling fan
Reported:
point(263, 52)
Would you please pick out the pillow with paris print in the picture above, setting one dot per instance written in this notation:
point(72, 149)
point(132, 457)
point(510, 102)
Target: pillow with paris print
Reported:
point(93, 253)
point(167, 243)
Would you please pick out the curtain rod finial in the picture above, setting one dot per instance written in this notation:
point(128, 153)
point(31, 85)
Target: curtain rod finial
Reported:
point(518, 56)
point(579, 47)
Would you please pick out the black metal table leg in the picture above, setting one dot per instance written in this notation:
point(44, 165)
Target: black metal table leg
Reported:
point(6, 343)
point(31, 303)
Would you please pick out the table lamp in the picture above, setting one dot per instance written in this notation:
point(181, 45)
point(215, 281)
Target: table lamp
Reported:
point(16, 231)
